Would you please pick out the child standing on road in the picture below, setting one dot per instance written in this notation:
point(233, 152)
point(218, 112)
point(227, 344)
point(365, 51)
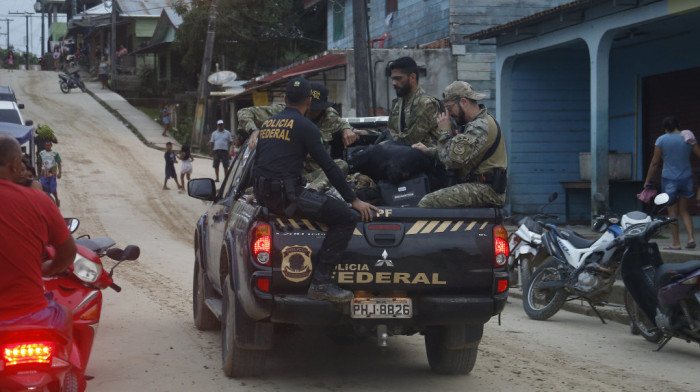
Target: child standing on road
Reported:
point(170, 162)
point(50, 170)
point(186, 168)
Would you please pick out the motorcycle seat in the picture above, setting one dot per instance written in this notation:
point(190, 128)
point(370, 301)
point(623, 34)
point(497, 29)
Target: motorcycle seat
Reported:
point(576, 239)
point(667, 273)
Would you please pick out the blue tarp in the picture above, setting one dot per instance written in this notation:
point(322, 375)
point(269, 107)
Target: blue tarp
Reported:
point(22, 133)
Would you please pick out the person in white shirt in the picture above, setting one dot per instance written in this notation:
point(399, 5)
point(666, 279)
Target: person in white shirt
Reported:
point(219, 145)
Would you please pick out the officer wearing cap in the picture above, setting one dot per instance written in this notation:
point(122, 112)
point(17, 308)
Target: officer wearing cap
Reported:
point(284, 140)
point(219, 145)
point(320, 112)
point(476, 151)
point(413, 112)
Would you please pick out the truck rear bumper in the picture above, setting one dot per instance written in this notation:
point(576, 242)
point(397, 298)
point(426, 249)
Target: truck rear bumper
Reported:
point(427, 310)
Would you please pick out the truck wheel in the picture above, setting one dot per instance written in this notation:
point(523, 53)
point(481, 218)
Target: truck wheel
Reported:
point(238, 362)
point(204, 319)
point(448, 350)
point(543, 303)
point(639, 323)
point(64, 88)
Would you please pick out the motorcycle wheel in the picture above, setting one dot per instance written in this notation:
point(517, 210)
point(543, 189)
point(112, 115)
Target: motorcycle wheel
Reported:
point(543, 303)
point(82, 86)
point(639, 323)
point(239, 362)
point(204, 319)
point(64, 88)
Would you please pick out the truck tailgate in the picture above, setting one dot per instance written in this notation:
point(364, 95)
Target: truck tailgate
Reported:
point(413, 250)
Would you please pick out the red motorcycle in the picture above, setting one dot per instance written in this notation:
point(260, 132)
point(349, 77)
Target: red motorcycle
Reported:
point(42, 359)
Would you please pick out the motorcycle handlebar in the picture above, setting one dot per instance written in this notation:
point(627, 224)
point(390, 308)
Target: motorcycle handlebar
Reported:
point(115, 287)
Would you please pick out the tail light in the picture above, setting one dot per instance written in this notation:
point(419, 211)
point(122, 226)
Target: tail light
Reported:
point(502, 285)
point(261, 243)
point(27, 353)
point(500, 246)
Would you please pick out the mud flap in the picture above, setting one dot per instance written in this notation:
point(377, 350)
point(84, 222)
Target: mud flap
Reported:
point(463, 336)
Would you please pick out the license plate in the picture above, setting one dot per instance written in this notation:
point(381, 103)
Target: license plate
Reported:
point(381, 308)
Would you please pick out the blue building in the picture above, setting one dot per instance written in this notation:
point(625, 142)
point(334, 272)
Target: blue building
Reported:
point(598, 77)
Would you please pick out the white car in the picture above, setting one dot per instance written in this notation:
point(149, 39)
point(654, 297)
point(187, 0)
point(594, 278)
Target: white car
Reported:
point(9, 112)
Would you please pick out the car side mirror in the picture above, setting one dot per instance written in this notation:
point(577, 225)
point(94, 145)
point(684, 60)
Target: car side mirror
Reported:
point(28, 122)
point(20, 105)
point(202, 188)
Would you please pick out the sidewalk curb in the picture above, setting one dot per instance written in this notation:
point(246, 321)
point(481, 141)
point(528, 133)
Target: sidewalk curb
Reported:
point(617, 313)
point(121, 118)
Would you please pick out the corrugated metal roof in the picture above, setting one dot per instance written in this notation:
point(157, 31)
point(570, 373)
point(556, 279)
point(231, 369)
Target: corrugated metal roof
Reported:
point(144, 7)
point(534, 18)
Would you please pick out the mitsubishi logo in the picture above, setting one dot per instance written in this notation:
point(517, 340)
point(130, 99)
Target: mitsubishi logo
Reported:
point(384, 262)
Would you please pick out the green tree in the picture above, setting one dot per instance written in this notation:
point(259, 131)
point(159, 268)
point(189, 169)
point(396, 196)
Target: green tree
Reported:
point(252, 36)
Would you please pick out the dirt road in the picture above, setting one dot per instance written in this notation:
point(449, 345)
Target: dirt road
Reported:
point(147, 341)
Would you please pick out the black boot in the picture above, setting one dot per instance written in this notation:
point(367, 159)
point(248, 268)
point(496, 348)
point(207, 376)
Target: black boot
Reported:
point(329, 291)
point(323, 288)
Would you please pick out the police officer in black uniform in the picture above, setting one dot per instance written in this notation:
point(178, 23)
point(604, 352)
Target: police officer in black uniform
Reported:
point(284, 140)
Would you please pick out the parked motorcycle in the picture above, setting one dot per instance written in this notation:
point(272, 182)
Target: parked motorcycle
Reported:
point(68, 82)
point(42, 359)
point(578, 269)
point(526, 250)
point(665, 298)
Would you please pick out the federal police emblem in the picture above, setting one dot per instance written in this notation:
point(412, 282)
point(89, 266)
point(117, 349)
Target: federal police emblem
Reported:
point(296, 263)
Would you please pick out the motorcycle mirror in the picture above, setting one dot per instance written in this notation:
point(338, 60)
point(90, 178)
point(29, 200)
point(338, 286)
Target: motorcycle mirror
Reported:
point(553, 196)
point(599, 197)
point(131, 252)
point(72, 224)
point(661, 199)
point(115, 253)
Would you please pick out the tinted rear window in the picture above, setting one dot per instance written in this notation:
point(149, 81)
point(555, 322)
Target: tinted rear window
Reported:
point(10, 116)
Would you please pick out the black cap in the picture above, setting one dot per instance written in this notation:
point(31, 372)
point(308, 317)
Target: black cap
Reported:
point(297, 89)
point(319, 97)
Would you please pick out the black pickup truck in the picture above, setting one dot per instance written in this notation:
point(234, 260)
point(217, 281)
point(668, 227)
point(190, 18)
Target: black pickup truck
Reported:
point(438, 272)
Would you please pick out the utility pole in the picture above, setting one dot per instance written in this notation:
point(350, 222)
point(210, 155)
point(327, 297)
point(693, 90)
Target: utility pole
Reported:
point(113, 48)
point(26, 16)
point(362, 67)
point(198, 127)
point(8, 31)
point(39, 7)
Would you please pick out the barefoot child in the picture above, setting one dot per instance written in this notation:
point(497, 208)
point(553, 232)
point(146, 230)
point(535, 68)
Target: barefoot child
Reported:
point(186, 168)
point(170, 162)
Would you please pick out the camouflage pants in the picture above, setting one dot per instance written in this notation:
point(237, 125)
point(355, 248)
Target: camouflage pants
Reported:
point(463, 195)
point(317, 179)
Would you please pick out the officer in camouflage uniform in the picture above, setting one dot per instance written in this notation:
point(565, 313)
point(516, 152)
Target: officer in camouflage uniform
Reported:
point(477, 152)
point(413, 113)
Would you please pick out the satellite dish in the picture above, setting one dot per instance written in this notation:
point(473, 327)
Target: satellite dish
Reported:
point(234, 90)
point(221, 77)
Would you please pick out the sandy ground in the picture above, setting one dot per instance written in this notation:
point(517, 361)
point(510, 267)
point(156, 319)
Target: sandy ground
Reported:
point(147, 340)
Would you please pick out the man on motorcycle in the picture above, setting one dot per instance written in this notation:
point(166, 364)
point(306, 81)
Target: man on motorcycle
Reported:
point(27, 224)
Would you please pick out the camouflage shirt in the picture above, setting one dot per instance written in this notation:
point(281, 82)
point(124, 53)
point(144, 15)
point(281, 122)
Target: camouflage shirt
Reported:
point(466, 149)
point(420, 114)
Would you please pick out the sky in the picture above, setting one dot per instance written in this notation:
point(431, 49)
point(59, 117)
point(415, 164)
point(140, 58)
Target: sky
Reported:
point(18, 25)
